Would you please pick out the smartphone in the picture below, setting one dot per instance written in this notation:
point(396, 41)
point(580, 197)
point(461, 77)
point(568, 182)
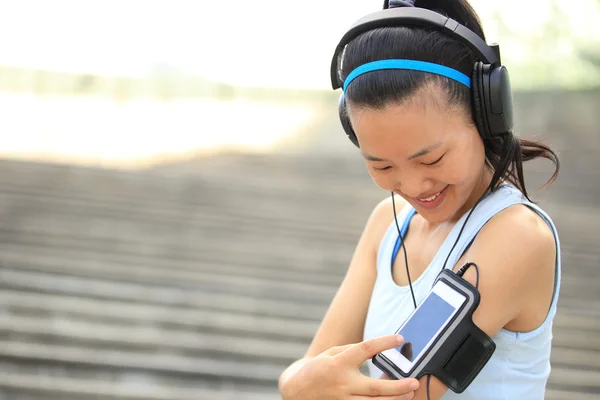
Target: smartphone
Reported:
point(421, 330)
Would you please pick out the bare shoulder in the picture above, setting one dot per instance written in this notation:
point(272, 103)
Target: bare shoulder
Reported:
point(517, 233)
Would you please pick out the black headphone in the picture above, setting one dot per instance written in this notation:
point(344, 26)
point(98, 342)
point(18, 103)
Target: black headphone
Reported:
point(490, 84)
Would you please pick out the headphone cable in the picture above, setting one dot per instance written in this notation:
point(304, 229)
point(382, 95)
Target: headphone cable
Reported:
point(462, 228)
point(405, 255)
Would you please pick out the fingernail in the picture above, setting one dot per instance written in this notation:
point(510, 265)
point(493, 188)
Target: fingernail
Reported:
point(414, 385)
point(399, 338)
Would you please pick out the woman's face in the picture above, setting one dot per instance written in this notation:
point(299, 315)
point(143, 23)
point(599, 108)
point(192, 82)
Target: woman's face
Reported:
point(426, 152)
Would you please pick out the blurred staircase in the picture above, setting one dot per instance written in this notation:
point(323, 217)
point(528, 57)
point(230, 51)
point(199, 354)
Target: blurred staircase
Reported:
point(204, 281)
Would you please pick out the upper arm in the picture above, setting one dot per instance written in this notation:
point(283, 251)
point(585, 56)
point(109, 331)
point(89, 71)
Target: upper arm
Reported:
point(344, 321)
point(515, 253)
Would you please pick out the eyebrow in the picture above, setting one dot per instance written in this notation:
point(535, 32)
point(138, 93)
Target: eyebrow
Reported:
point(419, 153)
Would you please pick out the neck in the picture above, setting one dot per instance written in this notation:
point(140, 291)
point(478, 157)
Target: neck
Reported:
point(481, 188)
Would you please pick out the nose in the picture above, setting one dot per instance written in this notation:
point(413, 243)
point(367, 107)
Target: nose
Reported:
point(414, 185)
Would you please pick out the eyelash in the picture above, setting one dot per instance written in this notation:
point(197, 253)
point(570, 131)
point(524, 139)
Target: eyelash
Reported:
point(381, 169)
point(436, 161)
point(429, 165)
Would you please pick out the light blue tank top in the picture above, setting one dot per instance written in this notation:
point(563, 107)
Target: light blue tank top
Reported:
point(520, 366)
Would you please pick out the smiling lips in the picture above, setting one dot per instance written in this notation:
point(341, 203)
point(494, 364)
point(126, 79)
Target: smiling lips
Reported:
point(432, 201)
point(430, 198)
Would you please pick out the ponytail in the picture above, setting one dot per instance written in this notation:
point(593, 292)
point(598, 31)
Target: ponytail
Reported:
point(505, 155)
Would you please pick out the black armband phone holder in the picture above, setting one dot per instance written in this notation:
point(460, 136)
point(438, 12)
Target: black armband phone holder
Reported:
point(458, 352)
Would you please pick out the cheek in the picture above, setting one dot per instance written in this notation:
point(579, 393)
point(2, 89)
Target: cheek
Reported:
point(468, 168)
point(458, 171)
point(384, 181)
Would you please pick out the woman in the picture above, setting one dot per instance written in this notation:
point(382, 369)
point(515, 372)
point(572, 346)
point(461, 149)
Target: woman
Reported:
point(461, 194)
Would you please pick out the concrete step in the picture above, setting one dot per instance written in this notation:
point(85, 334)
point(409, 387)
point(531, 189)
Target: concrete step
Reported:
point(18, 386)
point(184, 297)
point(290, 172)
point(51, 306)
point(567, 337)
point(280, 256)
point(573, 394)
point(134, 186)
point(586, 380)
point(175, 268)
point(579, 320)
point(207, 280)
point(291, 218)
point(232, 345)
point(584, 358)
point(205, 368)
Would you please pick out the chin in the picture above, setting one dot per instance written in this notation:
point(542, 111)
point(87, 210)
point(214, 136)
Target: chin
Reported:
point(435, 217)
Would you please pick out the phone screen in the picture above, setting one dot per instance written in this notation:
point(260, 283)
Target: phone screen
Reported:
point(425, 324)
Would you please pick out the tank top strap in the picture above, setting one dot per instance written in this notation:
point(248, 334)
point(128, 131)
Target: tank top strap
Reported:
point(410, 213)
point(557, 265)
point(387, 244)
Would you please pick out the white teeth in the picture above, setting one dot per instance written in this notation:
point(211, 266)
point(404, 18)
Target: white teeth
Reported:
point(431, 198)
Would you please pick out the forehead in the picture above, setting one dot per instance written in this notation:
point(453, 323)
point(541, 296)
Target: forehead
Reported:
point(399, 129)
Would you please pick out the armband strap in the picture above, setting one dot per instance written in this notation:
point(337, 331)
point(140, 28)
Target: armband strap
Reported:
point(461, 359)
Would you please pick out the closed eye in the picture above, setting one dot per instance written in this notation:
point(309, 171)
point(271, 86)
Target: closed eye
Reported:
point(382, 169)
point(436, 161)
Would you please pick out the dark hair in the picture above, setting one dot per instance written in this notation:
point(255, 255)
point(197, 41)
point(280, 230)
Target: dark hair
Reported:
point(505, 154)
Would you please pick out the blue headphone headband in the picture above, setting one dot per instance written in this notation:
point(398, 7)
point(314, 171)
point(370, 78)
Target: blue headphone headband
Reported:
point(408, 65)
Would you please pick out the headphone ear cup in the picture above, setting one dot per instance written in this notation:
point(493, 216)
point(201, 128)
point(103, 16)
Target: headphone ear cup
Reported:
point(477, 97)
point(345, 120)
point(499, 102)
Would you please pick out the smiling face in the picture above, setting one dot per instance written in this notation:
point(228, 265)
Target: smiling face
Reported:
point(425, 151)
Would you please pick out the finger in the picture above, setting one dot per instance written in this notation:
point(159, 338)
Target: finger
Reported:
point(363, 351)
point(337, 350)
point(384, 376)
point(381, 387)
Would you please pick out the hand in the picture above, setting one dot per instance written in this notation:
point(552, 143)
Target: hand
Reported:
point(335, 375)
